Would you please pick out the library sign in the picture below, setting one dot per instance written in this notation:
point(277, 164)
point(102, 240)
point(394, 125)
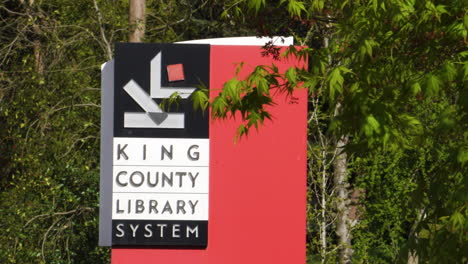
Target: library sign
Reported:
point(156, 155)
point(175, 188)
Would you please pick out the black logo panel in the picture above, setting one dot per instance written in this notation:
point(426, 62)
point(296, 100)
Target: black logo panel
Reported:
point(146, 75)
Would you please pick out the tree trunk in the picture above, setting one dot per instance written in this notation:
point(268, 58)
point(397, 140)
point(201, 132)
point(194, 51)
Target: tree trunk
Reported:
point(412, 253)
point(340, 181)
point(137, 20)
point(412, 258)
point(340, 166)
point(340, 171)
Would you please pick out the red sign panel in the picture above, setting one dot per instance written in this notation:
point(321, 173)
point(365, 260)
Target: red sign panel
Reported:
point(257, 188)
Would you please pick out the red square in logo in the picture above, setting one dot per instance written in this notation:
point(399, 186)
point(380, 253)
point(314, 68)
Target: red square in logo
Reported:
point(175, 72)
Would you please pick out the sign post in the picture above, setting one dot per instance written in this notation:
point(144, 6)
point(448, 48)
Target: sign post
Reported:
point(175, 188)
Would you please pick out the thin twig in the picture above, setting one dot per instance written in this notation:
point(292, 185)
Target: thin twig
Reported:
point(81, 209)
point(107, 46)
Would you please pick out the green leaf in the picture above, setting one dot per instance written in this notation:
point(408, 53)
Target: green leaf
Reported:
point(368, 48)
point(458, 30)
point(448, 118)
point(355, 88)
point(218, 107)
point(465, 71)
point(310, 84)
point(318, 5)
point(255, 5)
point(291, 75)
point(432, 85)
point(441, 9)
point(450, 72)
point(385, 140)
point(412, 124)
point(415, 88)
point(200, 99)
point(262, 87)
point(457, 220)
point(462, 156)
point(335, 124)
point(232, 90)
point(336, 82)
point(371, 125)
point(374, 4)
point(295, 7)
point(424, 233)
point(239, 67)
point(242, 130)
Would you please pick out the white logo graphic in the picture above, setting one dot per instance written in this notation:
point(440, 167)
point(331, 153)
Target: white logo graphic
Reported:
point(154, 116)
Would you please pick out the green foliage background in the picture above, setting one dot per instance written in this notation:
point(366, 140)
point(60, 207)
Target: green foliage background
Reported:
point(397, 69)
point(390, 77)
point(50, 116)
